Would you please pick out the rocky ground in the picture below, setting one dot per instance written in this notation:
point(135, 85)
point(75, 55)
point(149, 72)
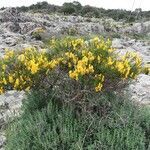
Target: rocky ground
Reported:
point(140, 88)
point(16, 32)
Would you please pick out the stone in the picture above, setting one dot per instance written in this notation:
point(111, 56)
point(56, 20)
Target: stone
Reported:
point(9, 15)
point(137, 28)
point(140, 89)
point(117, 43)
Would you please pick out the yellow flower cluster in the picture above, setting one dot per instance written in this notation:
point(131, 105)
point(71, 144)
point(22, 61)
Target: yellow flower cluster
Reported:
point(23, 67)
point(90, 62)
point(8, 54)
point(125, 67)
point(81, 66)
point(77, 43)
point(100, 79)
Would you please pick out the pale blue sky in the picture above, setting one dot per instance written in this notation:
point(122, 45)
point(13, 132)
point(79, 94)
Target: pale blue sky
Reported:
point(108, 4)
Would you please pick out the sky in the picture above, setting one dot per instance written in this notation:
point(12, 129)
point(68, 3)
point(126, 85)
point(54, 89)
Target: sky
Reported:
point(107, 4)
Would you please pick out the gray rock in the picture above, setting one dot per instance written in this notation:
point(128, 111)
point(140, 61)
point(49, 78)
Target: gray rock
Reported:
point(11, 26)
point(140, 89)
point(10, 104)
point(117, 43)
point(9, 15)
point(28, 27)
point(141, 28)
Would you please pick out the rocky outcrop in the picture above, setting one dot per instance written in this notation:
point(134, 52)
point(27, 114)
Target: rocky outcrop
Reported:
point(9, 15)
point(131, 45)
point(25, 22)
point(139, 89)
point(138, 28)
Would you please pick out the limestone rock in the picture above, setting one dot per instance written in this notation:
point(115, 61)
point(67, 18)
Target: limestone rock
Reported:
point(140, 89)
point(141, 28)
point(9, 15)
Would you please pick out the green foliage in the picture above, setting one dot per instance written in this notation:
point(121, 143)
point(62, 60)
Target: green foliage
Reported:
point(89, 11)
point(75, 8)
point(47, 8)
point(72, 31)
point(105, 122)
point(70, 8)
point(37, 33)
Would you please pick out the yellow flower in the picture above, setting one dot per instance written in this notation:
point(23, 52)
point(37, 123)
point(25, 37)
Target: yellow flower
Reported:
point(33, 67)
point(100, 77)
point(1, 90)
point(27, 89)
point(69, 65)
point(96, 39)
point(85, 60)
point(16, 83)
point(91, 68)
point(81, 70)
point(73, 75)
point(138, 61)
point(110, 61)
point(74, 44)
point(120, 66)
point(98, 87)
point(84, 52)
point(127, 73)
point(53, 63)
point(8, 54)
point(91, 56)
point(111, 50)
point(98, 59)
point(21, 57)
point(10, 78)
point(4, 67)
point(4, 81)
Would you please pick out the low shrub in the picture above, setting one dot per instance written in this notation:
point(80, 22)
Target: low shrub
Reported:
point(146, 69)
point(110, 122)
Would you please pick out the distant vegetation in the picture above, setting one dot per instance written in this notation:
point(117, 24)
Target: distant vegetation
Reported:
point(75, 8)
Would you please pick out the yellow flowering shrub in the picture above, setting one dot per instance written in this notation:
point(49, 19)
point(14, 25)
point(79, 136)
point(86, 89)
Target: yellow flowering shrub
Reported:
point(92, 63)
point(37, 33)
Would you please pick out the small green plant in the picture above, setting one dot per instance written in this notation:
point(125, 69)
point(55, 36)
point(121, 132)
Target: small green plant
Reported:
point(72, 31)
point(146, 69)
